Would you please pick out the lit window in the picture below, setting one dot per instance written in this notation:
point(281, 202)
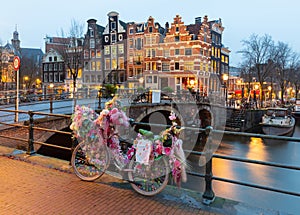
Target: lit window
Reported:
point(106, 50)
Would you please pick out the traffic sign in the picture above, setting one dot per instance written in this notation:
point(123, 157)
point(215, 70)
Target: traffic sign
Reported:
point(16, 63)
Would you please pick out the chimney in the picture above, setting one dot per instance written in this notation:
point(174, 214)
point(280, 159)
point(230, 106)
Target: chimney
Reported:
point(198, 20)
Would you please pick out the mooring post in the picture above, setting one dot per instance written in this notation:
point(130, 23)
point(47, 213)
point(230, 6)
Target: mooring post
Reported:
point(208, 195)
point(30, 148)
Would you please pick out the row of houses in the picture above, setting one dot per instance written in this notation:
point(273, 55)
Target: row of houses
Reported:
point(139, 54)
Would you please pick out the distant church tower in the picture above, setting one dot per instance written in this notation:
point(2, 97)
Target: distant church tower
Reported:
point(15, 41)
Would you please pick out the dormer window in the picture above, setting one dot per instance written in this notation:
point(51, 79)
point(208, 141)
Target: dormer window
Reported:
point(151, 29)
point(50, 59)
point(113, 25)
point(91, 32)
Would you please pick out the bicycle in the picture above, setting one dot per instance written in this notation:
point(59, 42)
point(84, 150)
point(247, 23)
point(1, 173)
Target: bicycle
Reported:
point(148, 161)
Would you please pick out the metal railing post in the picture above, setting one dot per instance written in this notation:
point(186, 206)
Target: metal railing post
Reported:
point(30, 148)
point(208, 195)
point(51, 103)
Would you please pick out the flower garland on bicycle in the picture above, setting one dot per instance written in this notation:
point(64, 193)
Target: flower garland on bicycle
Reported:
point(86, 124)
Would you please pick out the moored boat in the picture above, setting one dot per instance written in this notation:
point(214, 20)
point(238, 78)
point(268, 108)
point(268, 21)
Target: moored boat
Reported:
point(277, 121)
point(296, 110)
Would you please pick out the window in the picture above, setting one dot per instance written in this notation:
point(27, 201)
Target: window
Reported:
point(176, 65)
point(188, 51)
point(188, 65)
point(150, 29)
point(45, 77)
point(113, 25)
point(91, 32)
point(149, 79)
point(55, 67)
point(106, 39)
point(177, 39)
point(50, 67)
point(55, 58)
point(45, 67)
point(98, 65)
point(153, 52)
point(93, 77)
point(177, 29)
point(92, 53)
point(87, 78)
point(131, 31)
point(50, 59)
point(93, 66)
point(98, 78)
point(98, 53)
point(114, 51)
point(106, 50)
point(55, 77)
point(121, 63)
point(130, 43)
point(113, 38)
point(86, 65)
point(50, 77)
point(107, 63)
point(177, 51)
point(61, 77)
point(120, 37)
point(165, 66)
point(138, 43)
point(60, 67)
point(121, 48)
point(92, 43)
point(166, 52)
point(155, 79)
point(86, 54)
point(114, 63)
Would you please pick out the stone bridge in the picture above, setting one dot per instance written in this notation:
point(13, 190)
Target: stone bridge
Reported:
point(188, 114)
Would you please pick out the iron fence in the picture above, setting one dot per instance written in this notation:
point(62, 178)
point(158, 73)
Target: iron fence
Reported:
point(208, 193)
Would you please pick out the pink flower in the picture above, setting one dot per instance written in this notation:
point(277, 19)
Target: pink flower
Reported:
point(172, 116)
point(167, 151)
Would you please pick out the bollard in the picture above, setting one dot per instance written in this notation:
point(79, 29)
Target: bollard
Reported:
point(208, 195)
point(30, 148)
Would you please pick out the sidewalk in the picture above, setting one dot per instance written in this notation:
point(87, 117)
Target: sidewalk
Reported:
point(43, 185)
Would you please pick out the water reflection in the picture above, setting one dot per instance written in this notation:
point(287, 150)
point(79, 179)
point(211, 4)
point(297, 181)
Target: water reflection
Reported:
point(283, 152)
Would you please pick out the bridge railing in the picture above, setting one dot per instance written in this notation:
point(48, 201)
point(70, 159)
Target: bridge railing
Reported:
point(208, 132)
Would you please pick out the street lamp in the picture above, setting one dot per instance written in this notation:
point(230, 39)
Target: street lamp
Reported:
point(225, 79)
point(51, 97)
point(26, 78)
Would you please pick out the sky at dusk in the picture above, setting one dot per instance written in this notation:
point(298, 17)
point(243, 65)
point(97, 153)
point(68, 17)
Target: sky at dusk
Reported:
point(35, 19)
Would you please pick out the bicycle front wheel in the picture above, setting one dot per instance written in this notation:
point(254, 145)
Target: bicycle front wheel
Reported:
point(87, 165)
point(151, 179)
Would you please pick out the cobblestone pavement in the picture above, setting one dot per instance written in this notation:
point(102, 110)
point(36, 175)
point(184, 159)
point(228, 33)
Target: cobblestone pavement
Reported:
point(28, 188)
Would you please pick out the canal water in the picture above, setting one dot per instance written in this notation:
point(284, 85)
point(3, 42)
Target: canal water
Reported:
point(282, 152)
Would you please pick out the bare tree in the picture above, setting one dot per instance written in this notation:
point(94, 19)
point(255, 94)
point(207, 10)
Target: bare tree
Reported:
point(29, 68)
point(72, 52)
point(295, 72)
point(283, 61)
point(257, 51)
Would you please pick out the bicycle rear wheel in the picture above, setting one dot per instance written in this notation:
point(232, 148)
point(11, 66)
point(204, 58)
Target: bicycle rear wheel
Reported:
point(151, 179)
point(89, 166)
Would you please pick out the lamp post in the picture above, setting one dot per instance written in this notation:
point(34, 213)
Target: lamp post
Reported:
point(270, 94)
point(51, 97)
point(225, 79)
point(99, 95)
